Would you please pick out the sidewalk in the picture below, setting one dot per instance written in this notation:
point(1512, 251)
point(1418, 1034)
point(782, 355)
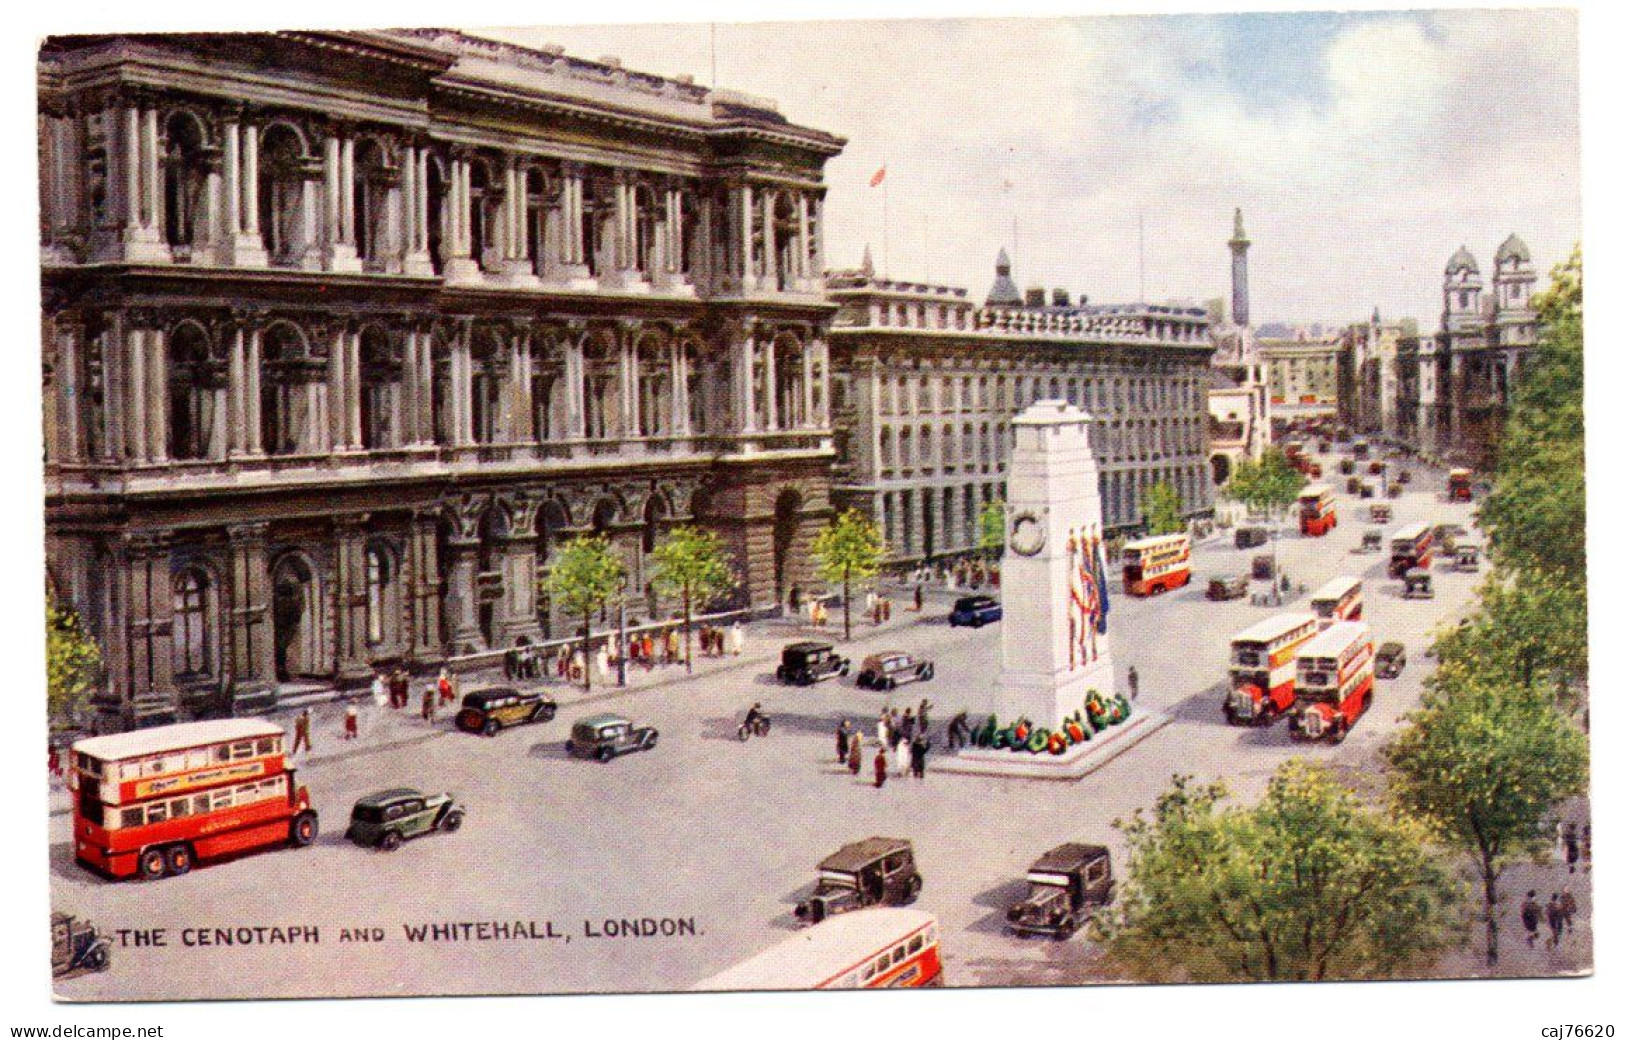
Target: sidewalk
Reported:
point(382, 728)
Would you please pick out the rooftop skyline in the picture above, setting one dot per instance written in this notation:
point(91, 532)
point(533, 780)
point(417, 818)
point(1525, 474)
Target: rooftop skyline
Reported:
point(1363, 148)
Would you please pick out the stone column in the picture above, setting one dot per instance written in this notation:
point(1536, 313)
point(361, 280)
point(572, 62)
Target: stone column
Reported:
point(821, 348)
point(631, 405)
point(134, 236)
point(338, 386)
point(803, 244)
point(518, 549)
point(338, 248)
point(679, 388)
point(156, 402)
point(424, 638)
point(252, 683)
point(745, 206)
point(70, 388)
point(252, 419)
point(770, 379)
point(350, 580)
point(520, 422)
point(462, 593)
point(770, 242)
point(744, 366)
point(415, 213)
point(575, 380)
point(461, 264)
point(147, 673)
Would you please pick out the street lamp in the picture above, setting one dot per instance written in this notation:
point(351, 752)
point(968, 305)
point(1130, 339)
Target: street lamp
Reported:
point(620, 657)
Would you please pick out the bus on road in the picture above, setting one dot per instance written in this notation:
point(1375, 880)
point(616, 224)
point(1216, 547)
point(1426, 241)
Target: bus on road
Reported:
point(154, 802)
point(1263, 668)
point(1317, 510)
point(1157, 564)
point(881, 948)
point(1411, 547)
point(1335, 682)
point(1340, 599)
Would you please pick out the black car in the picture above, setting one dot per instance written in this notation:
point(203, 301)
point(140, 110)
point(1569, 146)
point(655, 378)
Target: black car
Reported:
point(1264, 567)
point(1064, 888)
point(975, 611)
point(1251, 537)
point(802, 664)
point(886, 671)
point(76, 946)
point(1390, 661)
point(1227, 586)
point(487, 711)
point(871, 872)
point(604, 736)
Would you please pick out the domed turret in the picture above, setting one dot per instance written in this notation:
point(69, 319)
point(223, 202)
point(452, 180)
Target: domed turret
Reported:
point(1512, 250)
point(1461, 261)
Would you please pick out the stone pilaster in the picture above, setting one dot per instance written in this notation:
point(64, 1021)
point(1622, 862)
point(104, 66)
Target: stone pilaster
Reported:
point(251, 684)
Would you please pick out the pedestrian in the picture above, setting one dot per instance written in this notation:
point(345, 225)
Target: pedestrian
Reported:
point(301, 732)
point(854, 754)
point(352, 722)
point(380, 689)
point(428, 703)
point(885, 608)
point(510, 664)
point(1554, 920)
point(843, 737)
point(919, 598)
point(880, 767)
point(958, 731)
point(602, 660)
point(1571, 845)
point(674, 650)
point(399, 688)
point(736, 639)
point(905, 727)
point(916, 755)
point(1530, 912)
point(925, 724)
point(1133, 683)
point(1585, 845)
point(648, 652)
point(443, 685)
point(795, 599)
point(883, 727)
point(53, 760)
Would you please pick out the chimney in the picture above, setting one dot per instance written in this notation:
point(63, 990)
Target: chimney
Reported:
point(1061, 298)
point(1035, 296)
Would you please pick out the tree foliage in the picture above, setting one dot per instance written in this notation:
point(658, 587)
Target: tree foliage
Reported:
point(73, 663)
point(1525, 633)
point(1483, 764)
point(1267, 484)
point(990, 528)
point(1308, 884)
point(1162, 509)
point(692, 564)
point(849, 553)
point(585, 575)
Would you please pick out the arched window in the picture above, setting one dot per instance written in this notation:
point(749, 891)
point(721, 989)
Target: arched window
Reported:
point(602, 381)
point(887, 458)
point(285, 420)
point(481, 203)
point(790, 379)
point(281, 196)
point(380, 576)
point(646, 219)
point(193, 627)
point(786, 240)
point(381, 369)
point(371, 200)
point(488, 361)
point(654, 387)
point(186, 184)
point(435, 187)
point(196, 388)
point(538, 200)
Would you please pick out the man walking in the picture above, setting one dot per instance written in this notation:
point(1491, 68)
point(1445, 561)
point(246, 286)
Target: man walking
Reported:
point(854, 754)
point(301, 732)
point(352, 722)
point(916, 755)
point(1571, 845)
point(1530, 912)
point(1133, 683)
point(1554, 921)
point(428, 702)
point(957, 736)
point(880, 767)
point(925, 719)
point(1570, 908)
point(843, 737)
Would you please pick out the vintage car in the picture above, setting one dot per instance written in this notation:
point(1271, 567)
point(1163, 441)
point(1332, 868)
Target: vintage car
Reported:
point(1404, 476)
point(1371, 541)
point(1227, 586)
point(605, 736)
point(1418, 583)
point(1064, 888)
point(1395, 490)
point(1353, 486)
point(384, 819)
point(1325, 447)
point(1264, 567)
point(1390, 660)
point(487, 711)
point(1368, 490)
point(802, 664)
point(1361, 449)
point(77, 946)
point(1380, 513)
point(871, 872)
point(1447, 535)
point(975, 611)
point(1467, 556)
point(1346, 467)
point(1376, 467)
point(887, 671)
point(1251, 537)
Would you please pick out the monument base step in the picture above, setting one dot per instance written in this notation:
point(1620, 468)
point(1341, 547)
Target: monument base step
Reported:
point(1075, 763)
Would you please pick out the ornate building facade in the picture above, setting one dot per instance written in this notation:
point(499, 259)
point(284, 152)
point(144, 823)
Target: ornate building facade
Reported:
point(926, 384)
point(345, 332)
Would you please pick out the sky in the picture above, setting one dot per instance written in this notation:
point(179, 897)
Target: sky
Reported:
point(1363, 148)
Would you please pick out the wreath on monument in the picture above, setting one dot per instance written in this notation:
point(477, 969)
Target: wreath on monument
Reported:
point(1097, 714)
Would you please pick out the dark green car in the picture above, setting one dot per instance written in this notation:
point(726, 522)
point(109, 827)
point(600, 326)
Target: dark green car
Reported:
point(386, 818)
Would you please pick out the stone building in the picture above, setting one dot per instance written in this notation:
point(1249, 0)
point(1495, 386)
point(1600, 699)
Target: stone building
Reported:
point(344, 332)
point(1372, 352)
point(1304, 370)
point(926, 383)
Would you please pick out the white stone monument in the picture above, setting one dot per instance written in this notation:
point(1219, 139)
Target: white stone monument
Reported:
point(1053, 575)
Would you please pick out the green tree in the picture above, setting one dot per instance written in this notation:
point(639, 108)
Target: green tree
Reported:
point(586, 575)
point(1162, 509)
point(849, 551)
point(990, 528)
point(1483, 764)
point(1525, 632)
point(1267, 484)
point(73, 664)
point(1309, 884)
point(692, 563)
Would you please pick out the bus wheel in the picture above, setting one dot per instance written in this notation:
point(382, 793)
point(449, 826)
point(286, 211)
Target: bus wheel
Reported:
point(153, 865)
point(303, 831)
point(178, 859)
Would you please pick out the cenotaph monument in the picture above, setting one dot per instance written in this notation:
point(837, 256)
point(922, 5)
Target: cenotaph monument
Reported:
point(1053, 576)
point(1053, 579)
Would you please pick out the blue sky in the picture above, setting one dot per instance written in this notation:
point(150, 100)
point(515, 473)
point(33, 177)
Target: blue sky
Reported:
point(1364, 147)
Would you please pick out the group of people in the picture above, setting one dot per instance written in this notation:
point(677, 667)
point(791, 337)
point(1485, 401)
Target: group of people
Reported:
point(877, 607)
point(722, 642)
point(893, 732)
point(1559, 912)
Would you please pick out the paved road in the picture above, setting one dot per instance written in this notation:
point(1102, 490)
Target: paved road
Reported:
point(724, 835)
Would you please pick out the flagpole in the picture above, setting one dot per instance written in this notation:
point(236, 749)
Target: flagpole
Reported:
point(885, 221)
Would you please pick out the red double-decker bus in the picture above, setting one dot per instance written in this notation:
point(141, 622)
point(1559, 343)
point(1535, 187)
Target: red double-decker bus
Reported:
point(1412, 546)
point(1317, 510)
point(1335, 682)
point(1341, 599)
point(880, 948)
point(1157, 564)
point(1263, 669)
point(153, 802)
point(1461, 485)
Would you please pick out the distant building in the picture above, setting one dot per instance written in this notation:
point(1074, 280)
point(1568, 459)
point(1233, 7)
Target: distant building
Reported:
point(1370, 399)
point(1302, 371)
point(926, 382)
